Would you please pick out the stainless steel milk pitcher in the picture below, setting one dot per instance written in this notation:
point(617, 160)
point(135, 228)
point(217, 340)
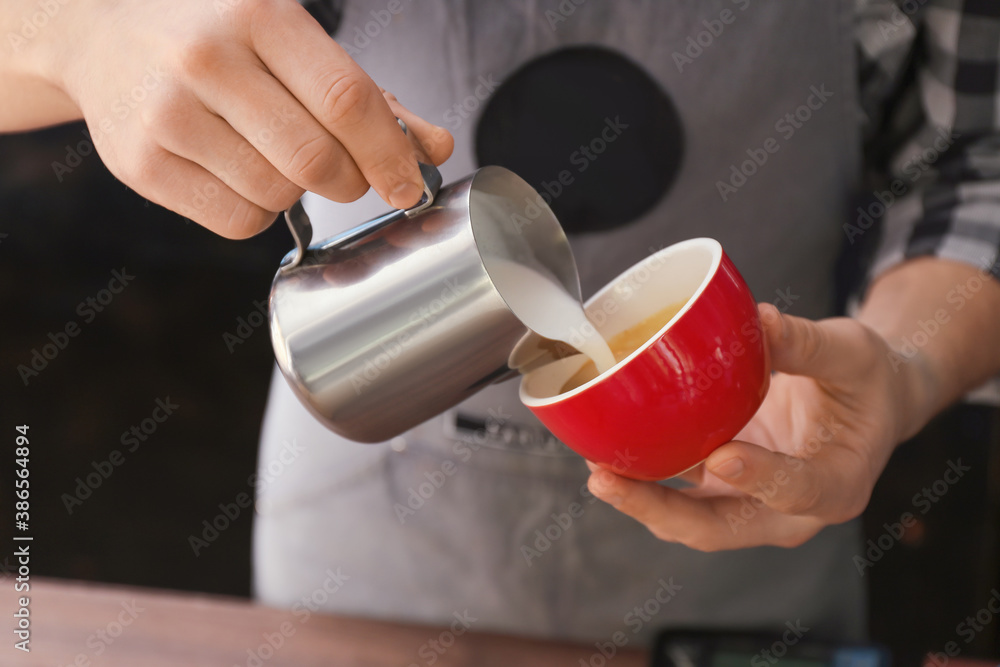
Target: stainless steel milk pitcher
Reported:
point(393, 322)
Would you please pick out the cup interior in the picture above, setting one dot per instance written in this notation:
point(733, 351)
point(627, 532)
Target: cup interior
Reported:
point(677, 273)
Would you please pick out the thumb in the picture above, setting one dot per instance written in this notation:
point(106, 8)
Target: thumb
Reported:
point(826, 350)
point(436, 143)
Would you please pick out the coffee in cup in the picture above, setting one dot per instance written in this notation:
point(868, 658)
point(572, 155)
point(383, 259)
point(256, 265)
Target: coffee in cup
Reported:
point(625, 343)
point(691, 374)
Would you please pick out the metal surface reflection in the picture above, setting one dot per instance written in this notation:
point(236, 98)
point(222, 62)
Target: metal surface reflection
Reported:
point(391, 323)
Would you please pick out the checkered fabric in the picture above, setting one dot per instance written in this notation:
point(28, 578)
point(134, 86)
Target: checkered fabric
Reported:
point(930, 93)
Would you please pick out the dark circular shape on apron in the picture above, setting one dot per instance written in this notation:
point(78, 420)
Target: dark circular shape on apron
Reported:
point(590, 130)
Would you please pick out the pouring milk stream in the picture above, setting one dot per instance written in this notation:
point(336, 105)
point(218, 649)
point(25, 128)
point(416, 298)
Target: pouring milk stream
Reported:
point(545, 307)
point(326, 324)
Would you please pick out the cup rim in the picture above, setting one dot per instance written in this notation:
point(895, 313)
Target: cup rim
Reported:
point(683, 246)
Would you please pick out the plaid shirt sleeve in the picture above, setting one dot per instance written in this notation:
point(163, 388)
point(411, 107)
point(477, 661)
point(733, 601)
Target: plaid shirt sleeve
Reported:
point(930, 93)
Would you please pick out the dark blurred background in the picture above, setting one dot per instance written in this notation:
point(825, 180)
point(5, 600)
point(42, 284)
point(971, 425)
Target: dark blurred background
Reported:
point(66, 225)
point(160, 338)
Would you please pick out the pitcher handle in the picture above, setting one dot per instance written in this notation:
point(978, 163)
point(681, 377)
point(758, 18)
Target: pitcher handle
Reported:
point(301, 227)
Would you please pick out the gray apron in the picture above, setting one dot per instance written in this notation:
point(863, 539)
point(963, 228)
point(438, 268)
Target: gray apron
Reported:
point(480, 511)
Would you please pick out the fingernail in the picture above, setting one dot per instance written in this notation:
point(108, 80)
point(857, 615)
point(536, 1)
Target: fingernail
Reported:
point(405, 195)
point(730, 468)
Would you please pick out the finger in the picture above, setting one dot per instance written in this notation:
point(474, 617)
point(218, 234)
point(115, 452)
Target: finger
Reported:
point(189, 189)
point(830, 484)
point(832, 350)
point(206, 139)
point(261, 109)
point(707, 524)
point(436, 141)
point(649, 503)
point(340, 95)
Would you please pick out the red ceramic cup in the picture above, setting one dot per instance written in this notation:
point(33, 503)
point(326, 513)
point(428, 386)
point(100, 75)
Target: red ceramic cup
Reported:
point(687, 390)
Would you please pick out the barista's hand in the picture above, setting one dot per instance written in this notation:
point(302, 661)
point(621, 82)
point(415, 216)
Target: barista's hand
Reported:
point(809, 457)
point(222, 111)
